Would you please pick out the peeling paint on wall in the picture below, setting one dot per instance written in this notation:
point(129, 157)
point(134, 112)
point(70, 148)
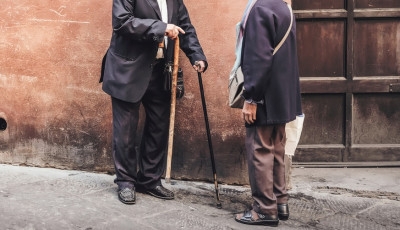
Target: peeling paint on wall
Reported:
point(57, 114)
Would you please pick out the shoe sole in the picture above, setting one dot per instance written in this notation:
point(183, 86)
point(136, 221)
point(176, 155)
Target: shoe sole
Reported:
point(126, 202)
point(283, 217)
point(271, 223)
point(160, 197)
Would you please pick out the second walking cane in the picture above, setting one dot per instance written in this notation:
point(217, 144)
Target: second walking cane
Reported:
point(203, 100)
point(172, 115)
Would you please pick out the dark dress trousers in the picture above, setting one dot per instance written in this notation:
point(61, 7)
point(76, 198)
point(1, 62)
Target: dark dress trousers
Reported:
point(272, 80)
point(131, 75)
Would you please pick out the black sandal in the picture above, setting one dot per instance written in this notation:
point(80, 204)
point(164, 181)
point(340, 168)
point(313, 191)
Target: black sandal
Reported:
point(267, 220)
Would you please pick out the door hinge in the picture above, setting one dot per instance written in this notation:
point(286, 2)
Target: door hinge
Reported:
point(394, 88)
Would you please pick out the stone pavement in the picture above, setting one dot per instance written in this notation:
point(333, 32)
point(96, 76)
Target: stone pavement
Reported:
point(335, 198)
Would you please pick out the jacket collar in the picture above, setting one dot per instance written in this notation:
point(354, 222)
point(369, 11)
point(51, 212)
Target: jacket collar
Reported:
point(156, 8)
point(170, 6)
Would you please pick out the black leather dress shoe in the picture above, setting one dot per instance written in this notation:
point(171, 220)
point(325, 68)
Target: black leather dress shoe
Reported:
point(161, 192)
point(283, 211)
point(127, 195)
point(266, 220)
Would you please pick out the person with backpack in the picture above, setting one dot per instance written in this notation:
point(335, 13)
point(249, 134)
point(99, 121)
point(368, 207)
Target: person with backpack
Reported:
point(271, 94)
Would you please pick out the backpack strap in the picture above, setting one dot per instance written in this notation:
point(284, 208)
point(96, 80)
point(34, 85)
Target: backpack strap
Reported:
point(287, 33)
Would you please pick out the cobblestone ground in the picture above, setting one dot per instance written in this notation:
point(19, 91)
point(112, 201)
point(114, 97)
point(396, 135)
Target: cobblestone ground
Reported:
point(33, 198)
point(327, 208)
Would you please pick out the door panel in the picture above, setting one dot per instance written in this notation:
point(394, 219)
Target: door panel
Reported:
point(349, 60)
point(376, 47)
point(373, 119)
point(324, 119)
point(315, 63)
point(313, 4)
point(377, 3)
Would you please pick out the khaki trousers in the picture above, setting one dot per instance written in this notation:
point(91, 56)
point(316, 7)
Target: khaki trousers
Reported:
point(265, 146)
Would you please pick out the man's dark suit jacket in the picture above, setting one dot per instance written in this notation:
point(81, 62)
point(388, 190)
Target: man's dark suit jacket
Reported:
point(137, 31)
point(271, 78)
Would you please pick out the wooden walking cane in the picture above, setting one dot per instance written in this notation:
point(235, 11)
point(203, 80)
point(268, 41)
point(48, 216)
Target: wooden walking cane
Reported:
point(172, 114)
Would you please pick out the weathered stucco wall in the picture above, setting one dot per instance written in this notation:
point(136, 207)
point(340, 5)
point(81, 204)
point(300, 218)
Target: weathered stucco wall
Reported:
point(57, 114)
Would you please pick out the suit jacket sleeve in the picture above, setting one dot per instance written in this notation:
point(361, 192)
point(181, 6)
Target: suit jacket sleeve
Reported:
point(125, 23)
point(189, 42)
point(257, 52)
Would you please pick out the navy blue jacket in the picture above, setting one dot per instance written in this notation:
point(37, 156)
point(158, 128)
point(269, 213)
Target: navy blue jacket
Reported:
point(271, 78)
point(137, 31)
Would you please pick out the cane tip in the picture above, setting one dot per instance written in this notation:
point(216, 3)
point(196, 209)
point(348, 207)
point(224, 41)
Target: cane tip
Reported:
point(168, 180)
point(219, 205)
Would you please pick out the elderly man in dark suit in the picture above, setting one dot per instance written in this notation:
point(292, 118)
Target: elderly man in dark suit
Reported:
point(272, 94)
point(132, 73)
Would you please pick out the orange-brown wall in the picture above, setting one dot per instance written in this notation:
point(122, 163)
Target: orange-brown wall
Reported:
point(57, 114)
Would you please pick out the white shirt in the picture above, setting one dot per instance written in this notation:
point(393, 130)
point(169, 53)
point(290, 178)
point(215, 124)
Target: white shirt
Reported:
point(162, 4)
